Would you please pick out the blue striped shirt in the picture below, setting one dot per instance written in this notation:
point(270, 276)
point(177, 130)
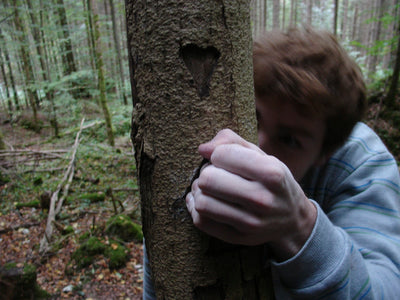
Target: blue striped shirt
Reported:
point(354, 249)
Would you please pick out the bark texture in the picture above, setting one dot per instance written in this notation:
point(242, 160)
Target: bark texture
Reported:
point(191, 75)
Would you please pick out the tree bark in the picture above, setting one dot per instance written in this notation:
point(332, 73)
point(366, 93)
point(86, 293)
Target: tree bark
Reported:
point(191, 75)
point(335, 16)
point(66, 45)
point(276, 7)
point(4, 75)
point(45, 73)
point(376, 37)
point(354, 31)
point(390, 100)
point(100, 74)
point(309, 12)
point(121, 84)
point(26, 61)
point(343, 30)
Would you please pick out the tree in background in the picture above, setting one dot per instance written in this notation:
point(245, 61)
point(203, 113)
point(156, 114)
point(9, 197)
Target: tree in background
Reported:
point(100, 72)
point(390, 100)
point(27, 67)
point(57, 37)
point(121, 82)
point(66, 46)
point(191, 75)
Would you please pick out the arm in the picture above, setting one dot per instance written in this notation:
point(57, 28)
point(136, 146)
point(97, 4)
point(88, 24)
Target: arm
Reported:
point(352, 251)
point(354, 248)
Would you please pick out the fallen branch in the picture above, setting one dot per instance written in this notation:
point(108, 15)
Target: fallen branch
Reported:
point(82, 127)
point(13, 158)
point(26, 225)
point(53, 211)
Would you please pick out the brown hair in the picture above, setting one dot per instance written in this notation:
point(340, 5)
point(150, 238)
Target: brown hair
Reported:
point(311, 69)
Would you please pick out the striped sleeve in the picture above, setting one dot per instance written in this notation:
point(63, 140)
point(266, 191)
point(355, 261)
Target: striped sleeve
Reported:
point(354, 249)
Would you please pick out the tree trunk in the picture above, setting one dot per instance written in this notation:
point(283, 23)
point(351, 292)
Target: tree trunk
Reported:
point(343, 30)
point(89, 33)
point(26, 61)
point(10, 72)
point(390, 100)
point(121, 84)
point(275, 14)
point(66, 45)
point(309, 12)
point(335, 16)
point(283, 14)
point(100, 74)
point(377, 34)
point(265, 14)
point(354, 31)
point(191, 75)
point(4, 75)
point(46, 78)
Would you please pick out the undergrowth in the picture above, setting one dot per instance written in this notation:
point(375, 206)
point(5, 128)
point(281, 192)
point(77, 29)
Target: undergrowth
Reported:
point(98, 166)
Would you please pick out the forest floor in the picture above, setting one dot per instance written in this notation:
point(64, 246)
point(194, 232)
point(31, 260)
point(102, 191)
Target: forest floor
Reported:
point(34, 164)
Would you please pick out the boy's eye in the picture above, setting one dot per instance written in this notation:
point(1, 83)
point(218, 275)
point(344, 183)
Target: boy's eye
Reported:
point(290, 141)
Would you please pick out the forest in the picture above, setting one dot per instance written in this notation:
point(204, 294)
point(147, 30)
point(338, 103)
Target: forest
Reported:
point(70, 213)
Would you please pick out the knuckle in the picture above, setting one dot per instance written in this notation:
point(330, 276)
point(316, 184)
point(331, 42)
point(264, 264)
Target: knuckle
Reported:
point(226, 132)
point(251, 224)
point(201, 204)
point(205, 177)
point(275, 176)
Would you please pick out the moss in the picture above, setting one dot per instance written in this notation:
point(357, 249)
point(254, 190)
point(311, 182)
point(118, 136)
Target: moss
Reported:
point(21, 282)
point(121, 226)
point(34, 203)
point(29, 274)
point(117, 255)
point(37, 181)
point(67, 230)
point(41, 294)
point(4, 179)
point(85, 254)
point(93, 197)
point(84, 237)
point(9, 266)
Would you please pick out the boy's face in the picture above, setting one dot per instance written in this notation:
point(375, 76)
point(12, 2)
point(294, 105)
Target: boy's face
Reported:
point(289, 135)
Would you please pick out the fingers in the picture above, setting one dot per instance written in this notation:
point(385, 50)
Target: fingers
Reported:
point(219, 226)
point(251, 164)
point(225, 136)
point(233, 189)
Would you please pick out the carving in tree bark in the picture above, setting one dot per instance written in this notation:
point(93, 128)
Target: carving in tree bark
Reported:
point(191, 75)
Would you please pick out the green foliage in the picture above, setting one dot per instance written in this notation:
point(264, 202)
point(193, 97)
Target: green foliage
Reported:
point(92, 197)
point(122, 124)
point(29, 273)
point(121, 226)
point(379, 80)
point(4, 179)
point(391, 140)
point(27, 121)
point(33, 203)
point(85, 254)
point(93, 247)
point(10, 265)
point(117, 255)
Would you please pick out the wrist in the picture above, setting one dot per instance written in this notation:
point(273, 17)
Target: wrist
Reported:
point(295, 238)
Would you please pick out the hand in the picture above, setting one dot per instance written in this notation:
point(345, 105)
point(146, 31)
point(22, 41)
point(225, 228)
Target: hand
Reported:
point(248, 197)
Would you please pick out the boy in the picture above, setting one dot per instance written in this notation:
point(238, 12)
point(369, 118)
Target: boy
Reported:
point(327, 210)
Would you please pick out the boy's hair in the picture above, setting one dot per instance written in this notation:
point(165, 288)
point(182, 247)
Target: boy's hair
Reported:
point(311, 69)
